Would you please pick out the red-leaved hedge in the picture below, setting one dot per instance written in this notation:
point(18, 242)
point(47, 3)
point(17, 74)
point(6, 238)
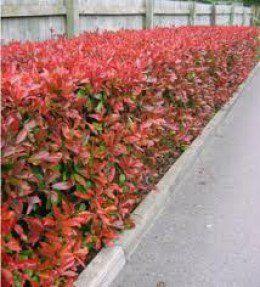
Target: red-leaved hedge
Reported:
point(86, 125)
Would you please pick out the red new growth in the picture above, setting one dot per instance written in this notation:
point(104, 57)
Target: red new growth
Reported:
point(87, 124)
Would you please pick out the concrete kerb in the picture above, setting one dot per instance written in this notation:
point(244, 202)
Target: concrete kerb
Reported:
point(104, 268)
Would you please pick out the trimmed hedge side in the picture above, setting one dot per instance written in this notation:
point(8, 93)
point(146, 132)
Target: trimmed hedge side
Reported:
point(87, 123)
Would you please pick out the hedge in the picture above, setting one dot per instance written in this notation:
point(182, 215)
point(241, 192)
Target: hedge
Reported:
point(89, 123)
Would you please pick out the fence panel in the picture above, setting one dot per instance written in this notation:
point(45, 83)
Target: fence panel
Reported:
point(43, 19)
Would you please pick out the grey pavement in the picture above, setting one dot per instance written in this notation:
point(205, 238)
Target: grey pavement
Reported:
point(209, 232)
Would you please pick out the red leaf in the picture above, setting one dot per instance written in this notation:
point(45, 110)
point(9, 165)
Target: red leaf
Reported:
point(62, 185)
point(26, 264)
point(7, 278)
point(21, 136)
point(31, 202)
point(14, 245)
point(20, 232)
point(36, 228)
point(111, 174)
point(45, 156)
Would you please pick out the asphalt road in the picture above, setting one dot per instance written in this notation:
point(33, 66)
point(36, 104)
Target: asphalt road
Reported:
point(209, 232)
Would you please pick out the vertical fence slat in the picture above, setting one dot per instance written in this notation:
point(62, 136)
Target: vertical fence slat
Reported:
point(244, 17)
point(252, 15)
point(231, 19)
point(213, 15)
point(72, 22)
point(192, 15)
point(149, 14)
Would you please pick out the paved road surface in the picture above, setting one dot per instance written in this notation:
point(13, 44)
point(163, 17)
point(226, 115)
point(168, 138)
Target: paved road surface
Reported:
point(209, 233)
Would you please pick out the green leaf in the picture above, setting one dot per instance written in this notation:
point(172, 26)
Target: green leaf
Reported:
point(191, 75)
point(80, 188)
point(29, 272)
point(7, 167)
point(17, 280)
point(98, 127)
point(99, 107)
point(81, 93)
point(58, 167)
point(37, 171)
point(102, 147)
point(48, 204)
point(91, 161)
point(89, 184)
point(77, 167)
point(27, 253)
point(122, 178)
point(125, 189)
point(82, 207)
point(36, 278)
point(41, 184)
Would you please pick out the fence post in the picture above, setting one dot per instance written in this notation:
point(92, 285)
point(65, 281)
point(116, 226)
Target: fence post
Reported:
point(252, 15)
point(192, 15)
point(72, 22)
point(149, 13)
point(231, 19)
point(213, 15)
point(244, 16)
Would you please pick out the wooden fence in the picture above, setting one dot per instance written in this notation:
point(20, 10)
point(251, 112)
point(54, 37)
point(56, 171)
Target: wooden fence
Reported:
point(43, 19)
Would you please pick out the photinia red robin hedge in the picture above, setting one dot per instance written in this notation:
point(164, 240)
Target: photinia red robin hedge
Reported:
point(87, 125)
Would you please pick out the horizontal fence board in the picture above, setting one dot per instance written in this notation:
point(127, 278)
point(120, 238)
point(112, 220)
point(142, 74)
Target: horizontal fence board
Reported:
point(171, 11)
point(203, 7)
point(115, 22)
point(113, 10)
point(236, 13)
point(223, 9)
point(198, 13)
point(32, 28)
point(111, 7)
point(168, 20)
point(9, 11)
point(32, 2)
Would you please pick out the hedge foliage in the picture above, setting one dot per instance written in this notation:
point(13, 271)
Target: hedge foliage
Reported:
point(86, 124)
